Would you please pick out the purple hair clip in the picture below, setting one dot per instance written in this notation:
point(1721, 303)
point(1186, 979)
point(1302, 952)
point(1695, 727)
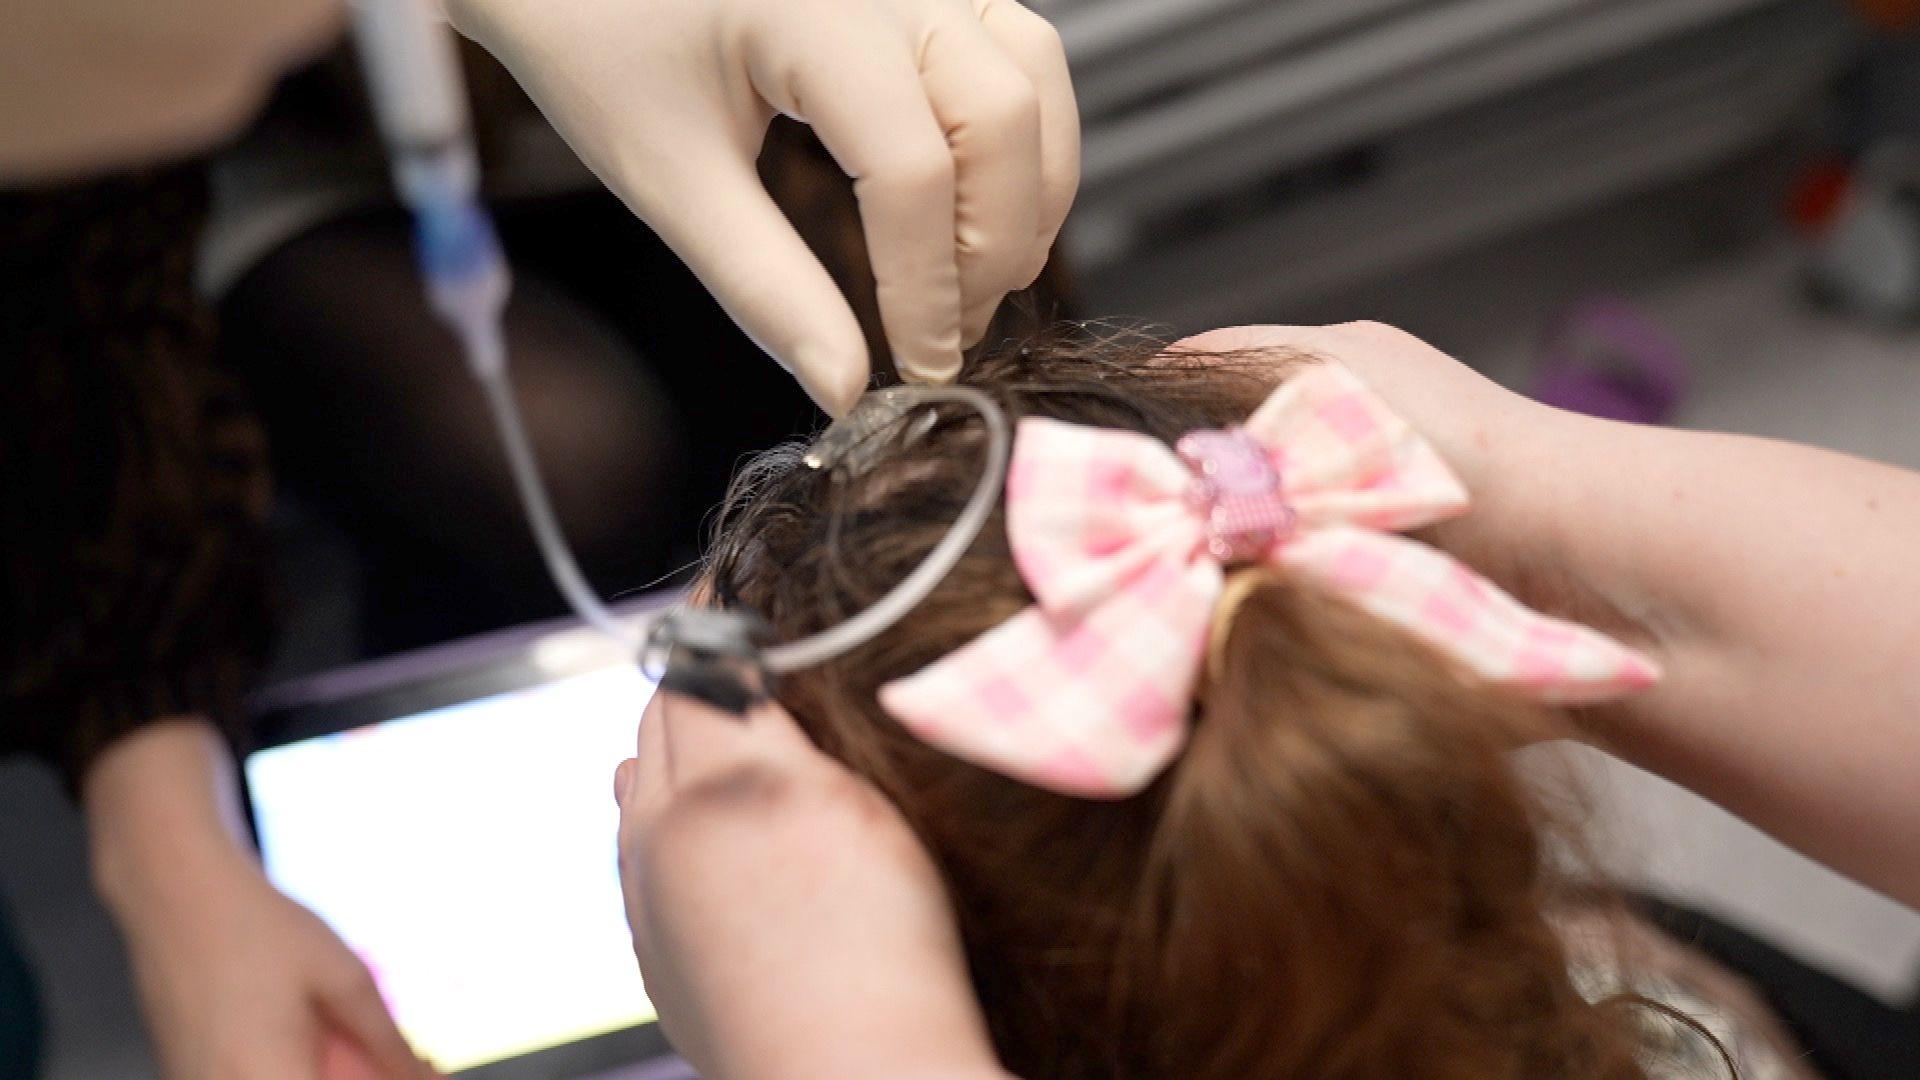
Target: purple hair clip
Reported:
point(1236, 484)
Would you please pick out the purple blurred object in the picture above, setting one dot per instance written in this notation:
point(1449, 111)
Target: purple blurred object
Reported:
point(1604, 358)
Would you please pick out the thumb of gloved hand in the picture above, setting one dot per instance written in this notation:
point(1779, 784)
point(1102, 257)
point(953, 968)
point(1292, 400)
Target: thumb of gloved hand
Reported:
point(955, 118)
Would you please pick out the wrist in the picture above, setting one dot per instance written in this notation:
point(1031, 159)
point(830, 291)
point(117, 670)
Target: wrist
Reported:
point(162, 818)
point(885, 1014)
point(1512, 464)
point(1548, 490)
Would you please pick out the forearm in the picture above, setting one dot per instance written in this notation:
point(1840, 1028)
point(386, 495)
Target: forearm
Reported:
point(162, 808)
point(1778, 587)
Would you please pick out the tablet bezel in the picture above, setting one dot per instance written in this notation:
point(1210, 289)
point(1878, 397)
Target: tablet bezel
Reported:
point(415, 682)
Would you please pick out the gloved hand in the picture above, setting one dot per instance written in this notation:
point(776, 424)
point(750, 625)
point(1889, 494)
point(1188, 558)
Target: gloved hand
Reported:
point(956, 119)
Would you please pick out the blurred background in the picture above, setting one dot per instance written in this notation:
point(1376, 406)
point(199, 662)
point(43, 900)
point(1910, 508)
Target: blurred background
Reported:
point(1698, 212)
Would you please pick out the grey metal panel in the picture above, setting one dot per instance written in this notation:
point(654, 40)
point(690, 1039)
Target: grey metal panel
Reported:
point(1798, 31)
point(1210, 49)
point(1093, 30)
point(1469, 177)
point(1502, 42)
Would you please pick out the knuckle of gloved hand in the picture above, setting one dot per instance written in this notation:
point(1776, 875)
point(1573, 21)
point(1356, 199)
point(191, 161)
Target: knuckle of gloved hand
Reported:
point(915, 169)
point(1044, 35)
point(1007, 107)
point(991, 254)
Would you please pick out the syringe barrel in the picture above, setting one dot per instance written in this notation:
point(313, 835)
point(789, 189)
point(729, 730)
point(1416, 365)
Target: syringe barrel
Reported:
point(419, 95)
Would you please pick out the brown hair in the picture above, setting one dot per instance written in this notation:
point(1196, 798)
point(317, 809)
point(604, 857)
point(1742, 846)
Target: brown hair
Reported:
point(1341, 875)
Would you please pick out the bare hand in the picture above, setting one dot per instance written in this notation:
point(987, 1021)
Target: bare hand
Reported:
point(241, 982)
point(786, 920)
point(237, 980)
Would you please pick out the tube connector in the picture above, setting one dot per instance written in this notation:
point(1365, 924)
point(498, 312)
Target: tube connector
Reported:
point(457, 249)
point(467, 280)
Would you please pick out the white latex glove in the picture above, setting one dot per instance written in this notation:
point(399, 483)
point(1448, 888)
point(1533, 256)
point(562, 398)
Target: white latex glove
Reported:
point(955, 118)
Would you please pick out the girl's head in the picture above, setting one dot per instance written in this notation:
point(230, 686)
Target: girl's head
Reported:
point(1340, 874)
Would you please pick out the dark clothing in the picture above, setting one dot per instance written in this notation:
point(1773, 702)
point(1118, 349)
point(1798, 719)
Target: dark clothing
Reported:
point(132, 481)
point(22, 1021)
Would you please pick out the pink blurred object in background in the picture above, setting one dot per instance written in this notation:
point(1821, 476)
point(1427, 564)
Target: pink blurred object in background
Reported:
point(1604, 358)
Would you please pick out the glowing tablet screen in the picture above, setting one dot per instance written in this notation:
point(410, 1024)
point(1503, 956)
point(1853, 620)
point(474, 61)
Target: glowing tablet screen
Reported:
point(467, 855)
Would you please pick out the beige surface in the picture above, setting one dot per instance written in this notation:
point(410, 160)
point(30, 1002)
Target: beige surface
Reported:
point(88, 85)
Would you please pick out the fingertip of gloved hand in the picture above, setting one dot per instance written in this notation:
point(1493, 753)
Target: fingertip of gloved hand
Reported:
point(833, 378)
point(933, 371)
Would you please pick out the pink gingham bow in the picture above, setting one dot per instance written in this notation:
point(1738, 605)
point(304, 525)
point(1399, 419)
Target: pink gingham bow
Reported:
point(1123, 543)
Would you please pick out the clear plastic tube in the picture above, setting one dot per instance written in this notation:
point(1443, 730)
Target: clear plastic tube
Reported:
point(547, 534)
point(468, 280)
point(421, 103)
point(486, 356)
point(420, 99)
